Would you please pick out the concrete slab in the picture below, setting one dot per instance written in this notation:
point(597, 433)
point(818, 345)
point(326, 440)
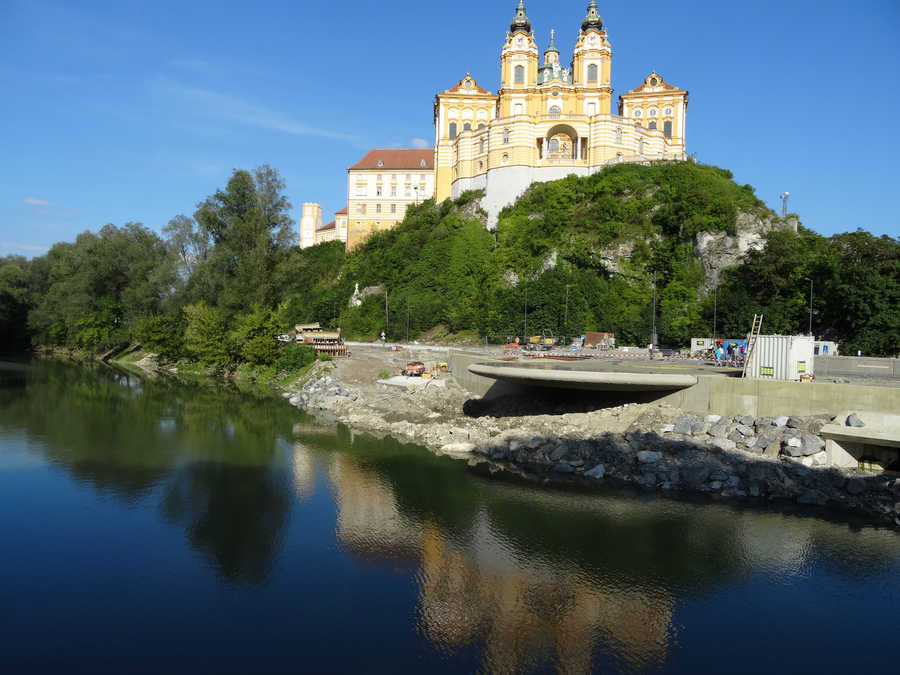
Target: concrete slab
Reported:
point(880, 438)
point(412, 383)
point(565, 376)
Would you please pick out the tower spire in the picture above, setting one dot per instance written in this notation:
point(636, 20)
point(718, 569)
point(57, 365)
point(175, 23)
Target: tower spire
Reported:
point(593, 19)
point(520, 23)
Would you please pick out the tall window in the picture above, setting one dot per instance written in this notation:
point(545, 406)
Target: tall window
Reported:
point(554, 145)
point(393, 190)
point(555, 111)
point(667, 128)
point(506, 135)
point(618, 135)
point(393, 208)
point(520, 74)
point(452, 130)
point(481, 145)
point(377, 190)
point(592, 72)
point(378, 208)
point(652, 124)
point(467, 127)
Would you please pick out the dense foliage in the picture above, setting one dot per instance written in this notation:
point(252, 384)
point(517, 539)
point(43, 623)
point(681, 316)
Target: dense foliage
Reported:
point(569, 256)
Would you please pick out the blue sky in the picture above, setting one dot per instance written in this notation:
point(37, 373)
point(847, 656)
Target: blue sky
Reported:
point(135, 111)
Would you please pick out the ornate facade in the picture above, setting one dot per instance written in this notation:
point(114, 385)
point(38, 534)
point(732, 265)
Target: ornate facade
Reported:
point(548, 121)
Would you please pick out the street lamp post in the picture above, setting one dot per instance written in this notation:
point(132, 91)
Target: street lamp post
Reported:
point(809, 279)
point(566, 320)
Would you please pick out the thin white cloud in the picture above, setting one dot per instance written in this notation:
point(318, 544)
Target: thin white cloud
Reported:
point(34, 201)
point(22, 247)
point(237, 110)
point(420, 143)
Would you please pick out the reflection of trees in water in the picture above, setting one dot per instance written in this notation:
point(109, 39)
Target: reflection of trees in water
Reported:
point(211, 447)
point(233, 514)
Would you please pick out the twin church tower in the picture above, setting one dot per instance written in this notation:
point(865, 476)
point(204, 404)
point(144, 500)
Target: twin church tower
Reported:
point(548, 121)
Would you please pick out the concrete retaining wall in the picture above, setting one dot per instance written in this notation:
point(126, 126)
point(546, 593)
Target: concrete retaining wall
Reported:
point(856, 366)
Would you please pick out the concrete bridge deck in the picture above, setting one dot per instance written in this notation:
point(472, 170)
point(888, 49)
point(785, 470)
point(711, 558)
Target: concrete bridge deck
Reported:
point(593, 375)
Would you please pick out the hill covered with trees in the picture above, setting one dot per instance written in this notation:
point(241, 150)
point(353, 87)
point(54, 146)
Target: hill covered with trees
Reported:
point(573, 255)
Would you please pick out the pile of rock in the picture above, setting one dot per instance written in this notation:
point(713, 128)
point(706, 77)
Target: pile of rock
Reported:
point(721, 456)
point(322, 394)
point(792, 437)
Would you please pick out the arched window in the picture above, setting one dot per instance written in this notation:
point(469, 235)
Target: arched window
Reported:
point(592, 72)
point(555, 111)
point(667, 128)
point(554, 145)
point(452, 130)
point(467, 127)
point(506, 135)
point(652, 124)
point(520, 74)
point(481, 126)
point(619, 135)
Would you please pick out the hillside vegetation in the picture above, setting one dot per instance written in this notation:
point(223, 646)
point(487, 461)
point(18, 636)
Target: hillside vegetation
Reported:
point(572, 255)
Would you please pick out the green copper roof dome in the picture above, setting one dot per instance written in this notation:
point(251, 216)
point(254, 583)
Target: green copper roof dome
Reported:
point(593, 19)
point(520, 24)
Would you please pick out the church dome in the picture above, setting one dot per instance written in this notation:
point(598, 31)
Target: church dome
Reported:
point(593, 19)
point(520, 24)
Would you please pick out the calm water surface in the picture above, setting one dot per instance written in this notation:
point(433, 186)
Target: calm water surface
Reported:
point(171, 527)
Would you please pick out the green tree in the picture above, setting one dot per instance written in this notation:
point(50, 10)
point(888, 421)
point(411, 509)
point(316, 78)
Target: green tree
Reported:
point(205, 337)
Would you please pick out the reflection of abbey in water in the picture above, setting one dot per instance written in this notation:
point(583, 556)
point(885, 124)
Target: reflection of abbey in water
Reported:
point(483, 582)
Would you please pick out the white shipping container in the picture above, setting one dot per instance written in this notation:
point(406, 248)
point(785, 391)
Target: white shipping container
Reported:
point(702, 344)
point(781, 357)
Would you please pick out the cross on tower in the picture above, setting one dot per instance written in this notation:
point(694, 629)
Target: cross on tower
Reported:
point(551, 34)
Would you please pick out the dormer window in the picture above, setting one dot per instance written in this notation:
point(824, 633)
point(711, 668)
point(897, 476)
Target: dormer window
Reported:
point(422, 163)
point(468, 84)
point(379, 163)
point(653, 82)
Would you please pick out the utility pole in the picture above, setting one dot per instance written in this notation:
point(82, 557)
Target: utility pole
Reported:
point(385, 310)
point(653, 330)
point(715, 309)
point(407, 319)
point(566, 320)
point(525, 337)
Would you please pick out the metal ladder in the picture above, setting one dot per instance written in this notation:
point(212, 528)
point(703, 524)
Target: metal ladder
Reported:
point(751, 341)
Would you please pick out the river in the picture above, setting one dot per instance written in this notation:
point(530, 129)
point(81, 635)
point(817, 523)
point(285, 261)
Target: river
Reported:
point(169, 526)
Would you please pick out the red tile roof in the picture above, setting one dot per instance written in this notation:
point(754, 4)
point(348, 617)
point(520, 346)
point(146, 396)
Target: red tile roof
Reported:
point(397, 159)
point(342, 212)
point(329, 226)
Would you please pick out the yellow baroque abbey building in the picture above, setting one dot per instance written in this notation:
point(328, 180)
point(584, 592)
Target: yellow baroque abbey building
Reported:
point(548, 121)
